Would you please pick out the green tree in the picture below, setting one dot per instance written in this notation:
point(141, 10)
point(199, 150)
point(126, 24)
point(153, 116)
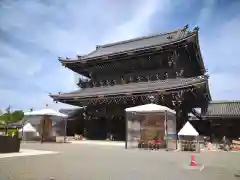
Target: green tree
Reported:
point(16, 116)
point(11, 117)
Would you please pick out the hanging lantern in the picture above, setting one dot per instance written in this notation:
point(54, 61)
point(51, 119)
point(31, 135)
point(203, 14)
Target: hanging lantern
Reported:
point(170, 62)
point(166, 75)
point(122, 80)
point(174, 103)
point(101, 83)
point(133, 100)
point(139, 78)
point(151, 98)
point(177, 75)
point(181, 72)
point(162, 97)
point(130, 79)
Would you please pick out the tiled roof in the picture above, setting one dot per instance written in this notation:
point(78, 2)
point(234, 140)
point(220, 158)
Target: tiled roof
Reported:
point(137, 43)
point(223, 109)
point(70, 112)
point(168, 84)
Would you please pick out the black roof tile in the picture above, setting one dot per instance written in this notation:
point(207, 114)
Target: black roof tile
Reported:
point(137, 43)
point(223, 109)
point(134, 87)
point(70, 112)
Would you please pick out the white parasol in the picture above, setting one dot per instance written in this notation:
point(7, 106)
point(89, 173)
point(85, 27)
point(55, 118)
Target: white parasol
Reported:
point(45, 112)
point(150, 108)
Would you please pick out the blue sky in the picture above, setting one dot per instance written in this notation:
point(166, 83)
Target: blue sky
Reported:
point(33, 33)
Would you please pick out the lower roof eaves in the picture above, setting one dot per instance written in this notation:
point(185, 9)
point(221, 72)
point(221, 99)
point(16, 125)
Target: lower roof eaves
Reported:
point(140, 87)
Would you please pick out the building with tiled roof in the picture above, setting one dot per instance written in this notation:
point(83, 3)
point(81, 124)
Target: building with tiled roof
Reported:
point(220, 118)
point(165, 69)
point(225, 109)
point(220, 109)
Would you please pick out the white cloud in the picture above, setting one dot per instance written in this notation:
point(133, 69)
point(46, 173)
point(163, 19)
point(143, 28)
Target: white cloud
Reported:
point(14, 62)
point(225, 86)
point(61, 28)
point(206, 12)
point(26, 101)
point(35, 23)
point(220, 49)
point(135, 26)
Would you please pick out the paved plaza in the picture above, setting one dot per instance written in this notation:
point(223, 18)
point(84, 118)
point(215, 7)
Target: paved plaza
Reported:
point(96, 162)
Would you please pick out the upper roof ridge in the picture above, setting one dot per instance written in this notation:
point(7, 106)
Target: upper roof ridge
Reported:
point(138, 38)
point(138, 43)
point(224, 101)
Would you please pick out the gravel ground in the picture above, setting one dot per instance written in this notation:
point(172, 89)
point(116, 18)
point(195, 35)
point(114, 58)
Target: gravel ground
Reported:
point(91, 162)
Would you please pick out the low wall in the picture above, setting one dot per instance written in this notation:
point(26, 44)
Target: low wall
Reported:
point(9, 144)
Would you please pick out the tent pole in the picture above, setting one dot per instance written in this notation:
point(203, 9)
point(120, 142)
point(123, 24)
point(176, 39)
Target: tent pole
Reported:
point(166, 133)
point(42, 133)
point(199, 149)
point(126, 133)
point(65, 129)
point(22, 131)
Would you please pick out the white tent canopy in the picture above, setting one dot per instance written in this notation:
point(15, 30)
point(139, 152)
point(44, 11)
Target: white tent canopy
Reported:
point(149, 108)
point(42, 112)
point(28, 128)
point(188, 130)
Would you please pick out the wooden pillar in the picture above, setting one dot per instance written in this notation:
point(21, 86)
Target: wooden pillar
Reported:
point(85, 115)
point(179, 108)
point(178, 118)
point(42, 129)
point(184, 114)
point(210, 130)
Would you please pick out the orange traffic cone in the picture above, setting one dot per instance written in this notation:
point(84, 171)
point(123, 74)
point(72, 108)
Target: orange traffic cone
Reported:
point(193, 162)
